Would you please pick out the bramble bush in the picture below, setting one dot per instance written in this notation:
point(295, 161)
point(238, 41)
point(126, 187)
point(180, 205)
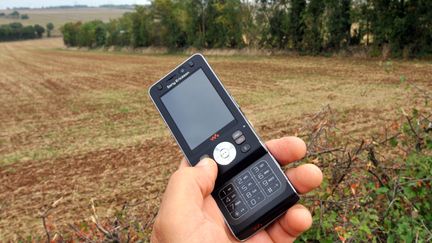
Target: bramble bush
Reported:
point(379, 190)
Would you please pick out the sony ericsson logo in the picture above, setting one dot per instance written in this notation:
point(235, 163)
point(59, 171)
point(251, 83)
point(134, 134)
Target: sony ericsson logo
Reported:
point(177, 80)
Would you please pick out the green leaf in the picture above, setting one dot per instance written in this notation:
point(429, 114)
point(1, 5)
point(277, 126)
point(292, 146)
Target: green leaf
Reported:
point(393, 142)
point(382, 190)
point(415, 112)
point(429, 143)
point(365, 229)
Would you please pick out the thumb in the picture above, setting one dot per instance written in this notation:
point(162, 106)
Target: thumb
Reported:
point(193, 183)
point(205, 173)
point(183, 199)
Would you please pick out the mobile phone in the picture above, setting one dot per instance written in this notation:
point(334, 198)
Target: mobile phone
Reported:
point(251, 189)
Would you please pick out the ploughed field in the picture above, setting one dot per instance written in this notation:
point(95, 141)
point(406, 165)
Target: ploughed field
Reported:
point(79, 125)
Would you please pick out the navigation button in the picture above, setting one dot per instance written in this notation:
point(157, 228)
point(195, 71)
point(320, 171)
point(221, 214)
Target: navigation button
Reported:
point(224, 153)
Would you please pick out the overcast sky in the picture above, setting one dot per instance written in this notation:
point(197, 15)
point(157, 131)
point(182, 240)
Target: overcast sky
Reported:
point(47, 3)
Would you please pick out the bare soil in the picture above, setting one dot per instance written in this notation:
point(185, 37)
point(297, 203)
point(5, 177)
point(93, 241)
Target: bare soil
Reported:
point(78, 125)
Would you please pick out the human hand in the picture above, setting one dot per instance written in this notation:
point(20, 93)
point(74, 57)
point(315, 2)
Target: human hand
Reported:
point(188, 212)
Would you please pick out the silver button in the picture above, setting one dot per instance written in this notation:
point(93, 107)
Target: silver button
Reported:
point(237, 134)
point(224, 153)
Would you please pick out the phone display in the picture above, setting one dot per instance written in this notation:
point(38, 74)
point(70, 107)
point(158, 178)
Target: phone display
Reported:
point(197, 109)
point(251, 189)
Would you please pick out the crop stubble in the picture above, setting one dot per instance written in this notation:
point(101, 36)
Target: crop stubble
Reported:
point(79, 125)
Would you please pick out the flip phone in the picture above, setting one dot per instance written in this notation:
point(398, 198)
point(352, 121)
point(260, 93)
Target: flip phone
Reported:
point(251, 189)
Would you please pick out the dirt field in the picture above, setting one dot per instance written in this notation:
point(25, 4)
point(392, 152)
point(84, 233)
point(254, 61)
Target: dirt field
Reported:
point(78, 125)
point(61, 16)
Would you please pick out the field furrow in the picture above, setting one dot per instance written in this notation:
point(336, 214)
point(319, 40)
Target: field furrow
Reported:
point(79, 125)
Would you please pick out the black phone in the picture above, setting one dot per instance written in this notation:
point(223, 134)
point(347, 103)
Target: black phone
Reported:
point(251, 189)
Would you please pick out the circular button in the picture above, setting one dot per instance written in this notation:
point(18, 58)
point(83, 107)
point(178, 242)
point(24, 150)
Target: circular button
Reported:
point(224, 153)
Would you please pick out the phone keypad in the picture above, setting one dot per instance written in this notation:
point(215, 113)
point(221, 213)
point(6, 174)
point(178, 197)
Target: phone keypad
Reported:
point(249, 189)
point(232, 201)
point(266, 178)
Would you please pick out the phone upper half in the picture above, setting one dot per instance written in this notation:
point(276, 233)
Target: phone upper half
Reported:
point(201, 115)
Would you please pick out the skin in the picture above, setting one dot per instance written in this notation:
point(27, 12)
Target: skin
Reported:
point(188, 212)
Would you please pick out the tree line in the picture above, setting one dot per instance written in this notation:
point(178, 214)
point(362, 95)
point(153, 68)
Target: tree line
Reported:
point(17, 31)
point(309, 26)
point(14, 15)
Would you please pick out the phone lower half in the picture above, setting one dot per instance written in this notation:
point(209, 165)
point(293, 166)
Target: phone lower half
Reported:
point(255, 197)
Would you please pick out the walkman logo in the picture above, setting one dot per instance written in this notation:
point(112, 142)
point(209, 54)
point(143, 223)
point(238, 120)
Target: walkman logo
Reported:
point(169, 86)
point(214, 137)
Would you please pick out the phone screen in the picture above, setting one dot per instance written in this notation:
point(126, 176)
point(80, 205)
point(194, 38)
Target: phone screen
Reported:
point(196, 108)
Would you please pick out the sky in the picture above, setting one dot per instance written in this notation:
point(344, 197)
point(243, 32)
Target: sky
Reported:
point(47, 3)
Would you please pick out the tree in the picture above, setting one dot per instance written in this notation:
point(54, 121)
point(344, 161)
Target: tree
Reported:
point(5, 32)
point(313, 40)
point(28, 32)
point(25, 16)
point(195, 25)
point(14, 14)
point(70, 33)
point(39, 30)
point(16, 30)
point(140, 27)
point(306, 25)
point(251, 23)
point(171, 27)
point(338, 23)
point(275, 32)
point(279, 24)
point(403, 25)
point(223, 24)
point(92, 34)
point(50, 28)
point(100, 33)
point(296, 22)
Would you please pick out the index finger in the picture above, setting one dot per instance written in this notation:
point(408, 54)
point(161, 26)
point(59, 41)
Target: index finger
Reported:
point(287, 149)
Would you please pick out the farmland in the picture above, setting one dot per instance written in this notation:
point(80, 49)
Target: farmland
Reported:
point(61, 16)
point(78, 125)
